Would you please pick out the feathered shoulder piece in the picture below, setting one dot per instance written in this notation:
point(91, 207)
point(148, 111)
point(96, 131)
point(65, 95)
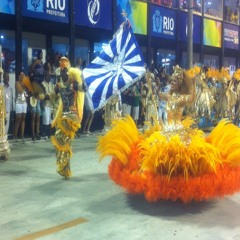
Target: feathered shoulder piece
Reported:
point(212, 73)
point(75, 74)
point(27, 83)
point(236, 74)
point(197, 69)
point(192, 72)
point(178, 73)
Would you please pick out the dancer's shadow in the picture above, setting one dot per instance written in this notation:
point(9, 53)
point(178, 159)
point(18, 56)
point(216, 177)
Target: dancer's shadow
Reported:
point(167, 208)
point(221, 212)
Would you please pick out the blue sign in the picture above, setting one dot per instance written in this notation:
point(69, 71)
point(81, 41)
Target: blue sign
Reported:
point(183, 28)
point(52, 10)
point(94, 13)
point(7, 6)
point(163, 22)
point(231, 36)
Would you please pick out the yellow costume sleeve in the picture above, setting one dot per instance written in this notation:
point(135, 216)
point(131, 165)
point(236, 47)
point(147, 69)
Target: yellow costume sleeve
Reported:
point(75, 74)
point(58, 114)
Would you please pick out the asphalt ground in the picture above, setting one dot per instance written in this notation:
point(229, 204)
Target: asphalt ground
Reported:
point(37, 203)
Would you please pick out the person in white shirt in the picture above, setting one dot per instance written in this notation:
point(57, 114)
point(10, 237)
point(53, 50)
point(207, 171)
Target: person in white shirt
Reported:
point(8, 99)
point(21, 106)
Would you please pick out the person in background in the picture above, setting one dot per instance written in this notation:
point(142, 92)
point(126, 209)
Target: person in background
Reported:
point(35, 109)
point(126, 102)
point(112, 111)
point(149, 100)
point(88, 114)
point(48, 102)
point(37, 76)
point(8, 99)
point(135, 95)
point(21, 106)
point(79, 63)
point(162, 104)
point(38, 68)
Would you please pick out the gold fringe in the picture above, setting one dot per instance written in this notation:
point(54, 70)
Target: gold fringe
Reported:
point(71, 123)
point(59, 147)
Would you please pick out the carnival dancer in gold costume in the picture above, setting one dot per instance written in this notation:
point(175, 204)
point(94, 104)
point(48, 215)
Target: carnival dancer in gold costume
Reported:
point(221, 105)
point(69, 115)
point(204, 99)
point(149, 100)
point(111, 111)
point(233, 95)
point(4, 146)
point(177, 161)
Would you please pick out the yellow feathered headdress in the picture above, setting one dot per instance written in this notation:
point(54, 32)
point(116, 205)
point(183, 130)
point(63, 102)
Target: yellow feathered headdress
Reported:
point(192, 72)
point(178, 73)
point(236, 74)
point(212, 73)
point(224, 75)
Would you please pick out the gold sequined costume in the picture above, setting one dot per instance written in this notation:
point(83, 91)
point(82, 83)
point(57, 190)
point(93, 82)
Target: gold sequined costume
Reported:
point(149, 100)
point(68, 118)
point(4, 146)
point(111, 111)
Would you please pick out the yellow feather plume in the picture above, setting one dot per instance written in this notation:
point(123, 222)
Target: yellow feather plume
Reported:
point(236, 74)
point(226, 137)
point(118, 141)
point(172, 156)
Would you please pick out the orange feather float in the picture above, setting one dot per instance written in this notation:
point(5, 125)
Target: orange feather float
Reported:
point(186, 166)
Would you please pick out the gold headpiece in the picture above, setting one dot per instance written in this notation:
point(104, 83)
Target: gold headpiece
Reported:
point(149, 76)
point(177, 73)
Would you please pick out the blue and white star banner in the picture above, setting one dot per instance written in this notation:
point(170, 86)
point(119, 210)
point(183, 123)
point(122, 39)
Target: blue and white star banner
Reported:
point(116, 68)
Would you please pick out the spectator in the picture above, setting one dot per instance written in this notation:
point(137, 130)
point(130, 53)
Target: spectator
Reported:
point(162, 104)
point(21, 106)
point(135, 93)
point(88, 114)
point(38, 68)
point(79, 63)
point(126, 102)
point(8, 99)
point(47, 103)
